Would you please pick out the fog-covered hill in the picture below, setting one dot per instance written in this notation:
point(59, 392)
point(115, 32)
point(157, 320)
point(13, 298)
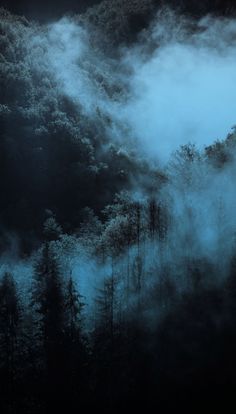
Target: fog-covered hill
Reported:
point(117, 206)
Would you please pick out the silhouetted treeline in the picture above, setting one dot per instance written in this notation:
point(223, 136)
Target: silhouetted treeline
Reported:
point(184, 359)
point(160, 329)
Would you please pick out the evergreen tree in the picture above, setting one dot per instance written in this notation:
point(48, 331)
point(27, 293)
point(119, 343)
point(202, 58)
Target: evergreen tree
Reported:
point(76, 384)
point(9, 331)
point(49, 303)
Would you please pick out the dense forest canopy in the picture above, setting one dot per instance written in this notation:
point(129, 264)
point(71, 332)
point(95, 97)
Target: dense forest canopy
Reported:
point(117, 211)
point(75, 125)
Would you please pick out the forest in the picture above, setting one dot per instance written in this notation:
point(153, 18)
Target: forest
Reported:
point(117, 209)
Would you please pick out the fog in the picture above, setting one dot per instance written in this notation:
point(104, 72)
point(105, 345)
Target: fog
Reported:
point(178, 83)
point(185, 91)
point(175, 85)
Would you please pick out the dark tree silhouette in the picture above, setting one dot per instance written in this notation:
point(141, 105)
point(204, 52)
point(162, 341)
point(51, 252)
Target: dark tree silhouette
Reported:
point(9, 337)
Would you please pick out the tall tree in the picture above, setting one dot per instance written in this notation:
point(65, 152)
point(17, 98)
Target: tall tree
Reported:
point(76, 374)
point(49, 303)
point(9, 322)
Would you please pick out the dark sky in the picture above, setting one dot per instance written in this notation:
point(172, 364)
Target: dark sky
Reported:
point(50, 9)
point(46, 9)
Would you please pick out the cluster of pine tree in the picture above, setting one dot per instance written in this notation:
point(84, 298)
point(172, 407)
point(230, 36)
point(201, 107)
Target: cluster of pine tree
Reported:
point(43, 351)
point(160, 330)
point(155, 246)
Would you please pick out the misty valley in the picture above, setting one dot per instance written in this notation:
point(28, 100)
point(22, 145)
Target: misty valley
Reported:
point(118, 207)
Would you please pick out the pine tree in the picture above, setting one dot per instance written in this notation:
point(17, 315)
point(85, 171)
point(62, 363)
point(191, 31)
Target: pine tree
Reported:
point(9, 323)
point(49, 304)
point(75, 345)
point(73, 308)
point(106, 339)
